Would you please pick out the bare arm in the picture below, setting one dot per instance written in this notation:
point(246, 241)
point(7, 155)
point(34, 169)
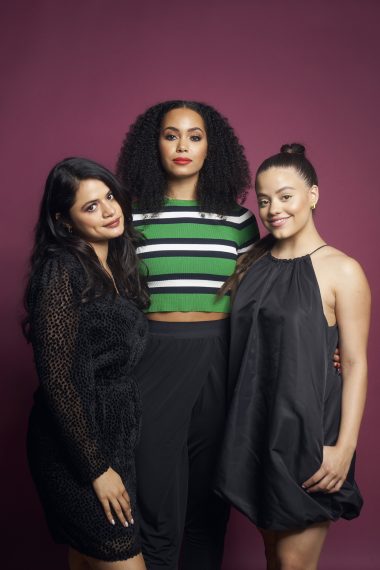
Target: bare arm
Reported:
point(353, 300)
point(352, 308)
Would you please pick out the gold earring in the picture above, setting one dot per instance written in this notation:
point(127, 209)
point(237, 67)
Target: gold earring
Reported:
point(313, 206)
point(69, 228)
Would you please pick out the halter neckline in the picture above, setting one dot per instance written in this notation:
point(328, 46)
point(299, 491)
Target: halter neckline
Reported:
point(296, 258)
point(320, 247)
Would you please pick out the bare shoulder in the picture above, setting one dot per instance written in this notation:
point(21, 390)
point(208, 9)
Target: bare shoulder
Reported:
point(344, 268)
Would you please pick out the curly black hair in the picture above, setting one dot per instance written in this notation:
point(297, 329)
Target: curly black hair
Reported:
point(225, 176)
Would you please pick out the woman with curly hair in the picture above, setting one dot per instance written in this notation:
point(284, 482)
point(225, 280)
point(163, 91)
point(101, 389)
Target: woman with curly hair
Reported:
point(184, 166)
point(83, 319)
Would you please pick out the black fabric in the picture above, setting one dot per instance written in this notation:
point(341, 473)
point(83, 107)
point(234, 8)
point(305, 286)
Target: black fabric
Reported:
point(182, 379)
point(86, 415)
point(287, 400)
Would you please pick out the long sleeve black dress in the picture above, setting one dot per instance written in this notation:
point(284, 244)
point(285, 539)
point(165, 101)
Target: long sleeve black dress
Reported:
point(86, 415)
point(287, 401)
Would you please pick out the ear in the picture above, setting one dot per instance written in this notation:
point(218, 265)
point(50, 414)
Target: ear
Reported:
point(313, 196)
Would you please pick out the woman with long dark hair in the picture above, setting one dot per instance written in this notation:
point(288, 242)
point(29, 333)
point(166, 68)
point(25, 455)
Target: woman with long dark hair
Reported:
point(289, 451)
point(185, 167)
point(83, 302)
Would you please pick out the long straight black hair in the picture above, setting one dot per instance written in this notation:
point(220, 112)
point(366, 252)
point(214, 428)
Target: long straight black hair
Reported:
point(52, 235)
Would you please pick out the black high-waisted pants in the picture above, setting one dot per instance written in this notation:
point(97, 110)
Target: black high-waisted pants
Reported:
point(183, 382)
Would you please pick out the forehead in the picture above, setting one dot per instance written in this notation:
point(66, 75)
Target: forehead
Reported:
point(280, 177)
point(91, 189)
point(183, 119)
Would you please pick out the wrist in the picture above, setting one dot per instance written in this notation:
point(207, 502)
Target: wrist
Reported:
point(346, 447)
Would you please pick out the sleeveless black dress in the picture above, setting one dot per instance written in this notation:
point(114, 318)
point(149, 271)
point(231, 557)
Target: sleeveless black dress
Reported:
point(287, 400)
point(86, 415)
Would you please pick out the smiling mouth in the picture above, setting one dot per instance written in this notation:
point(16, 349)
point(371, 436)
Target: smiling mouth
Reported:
point(278, 222)
point(113, 224)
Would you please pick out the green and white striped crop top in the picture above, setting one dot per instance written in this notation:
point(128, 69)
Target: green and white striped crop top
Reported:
point(189, 254)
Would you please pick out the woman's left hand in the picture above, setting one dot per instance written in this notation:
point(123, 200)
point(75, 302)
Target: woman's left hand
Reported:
point(332, 473)
point(336, 360)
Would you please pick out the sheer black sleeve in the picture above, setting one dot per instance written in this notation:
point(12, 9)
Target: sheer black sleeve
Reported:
point(64, 365)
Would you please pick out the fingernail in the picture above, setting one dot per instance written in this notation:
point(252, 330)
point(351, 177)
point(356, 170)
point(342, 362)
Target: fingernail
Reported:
point(303, 486)
point(132, 521)
point(112, 521)
point(126, 524)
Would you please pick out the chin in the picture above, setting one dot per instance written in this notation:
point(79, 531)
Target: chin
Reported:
point(115, 234)
point(281, 234)
point(183, 174)
point(119, 233)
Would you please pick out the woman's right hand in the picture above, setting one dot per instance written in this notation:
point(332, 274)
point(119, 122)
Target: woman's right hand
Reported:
point(112, 494)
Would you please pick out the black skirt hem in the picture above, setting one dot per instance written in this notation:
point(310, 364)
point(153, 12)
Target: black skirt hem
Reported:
point(100, 556)
point(281, 527)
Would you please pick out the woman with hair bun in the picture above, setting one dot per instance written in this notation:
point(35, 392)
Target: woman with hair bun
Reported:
point(288, 456)
point(83, 302)
point(184, 165)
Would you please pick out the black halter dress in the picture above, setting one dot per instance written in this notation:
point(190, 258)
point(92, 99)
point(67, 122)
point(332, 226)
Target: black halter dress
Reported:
point(287, 400)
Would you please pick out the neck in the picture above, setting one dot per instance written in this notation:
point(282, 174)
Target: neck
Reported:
point(101, 250)
point(298, 245)
point(183, 188)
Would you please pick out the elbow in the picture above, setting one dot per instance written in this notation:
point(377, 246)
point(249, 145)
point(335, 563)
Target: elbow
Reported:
point(355, 368)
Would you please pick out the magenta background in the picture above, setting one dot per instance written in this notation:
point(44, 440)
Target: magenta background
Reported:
point(76, 73)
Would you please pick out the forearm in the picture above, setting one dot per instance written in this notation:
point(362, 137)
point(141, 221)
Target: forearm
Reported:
point(77, 430)
point(353, 402)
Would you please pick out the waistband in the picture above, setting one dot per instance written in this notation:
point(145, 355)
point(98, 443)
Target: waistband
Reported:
point(199, 329)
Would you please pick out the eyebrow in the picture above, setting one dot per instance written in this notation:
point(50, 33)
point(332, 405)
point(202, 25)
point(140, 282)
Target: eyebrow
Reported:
point(96, 199)
point(279, 190)
point(188, 130)
point(285, 188)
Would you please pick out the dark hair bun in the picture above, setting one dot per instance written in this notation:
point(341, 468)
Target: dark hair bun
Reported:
point(294, 148)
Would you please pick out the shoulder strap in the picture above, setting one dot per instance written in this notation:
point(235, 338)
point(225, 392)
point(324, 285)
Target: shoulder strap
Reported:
point(320, 247)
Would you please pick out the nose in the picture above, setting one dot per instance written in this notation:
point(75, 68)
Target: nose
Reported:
point(274, 208)
point(108, 210)
point(181, 145)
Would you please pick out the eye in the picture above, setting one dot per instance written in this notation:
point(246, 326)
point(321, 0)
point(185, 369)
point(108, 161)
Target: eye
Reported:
point(286, 197)
point(263, 202)
point(195, 138)
point(110, 196)
point(91, 207)
point(170, 137)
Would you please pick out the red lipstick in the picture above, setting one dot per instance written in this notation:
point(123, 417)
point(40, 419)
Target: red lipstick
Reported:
point(182, 160)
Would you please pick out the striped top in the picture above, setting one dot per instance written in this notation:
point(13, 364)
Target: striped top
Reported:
point(189, 254)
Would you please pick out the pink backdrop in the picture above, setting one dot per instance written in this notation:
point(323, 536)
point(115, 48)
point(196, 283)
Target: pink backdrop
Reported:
point(76, 73)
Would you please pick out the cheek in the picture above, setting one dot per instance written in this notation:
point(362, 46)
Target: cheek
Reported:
point(87, 225)
point(164, 150)
point(300, 207)
point(203, 151)
point(200, 155)
point(263, 214)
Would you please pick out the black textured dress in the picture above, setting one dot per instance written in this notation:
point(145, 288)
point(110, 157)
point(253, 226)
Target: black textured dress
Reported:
point(287, 400)
point(86, 415)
